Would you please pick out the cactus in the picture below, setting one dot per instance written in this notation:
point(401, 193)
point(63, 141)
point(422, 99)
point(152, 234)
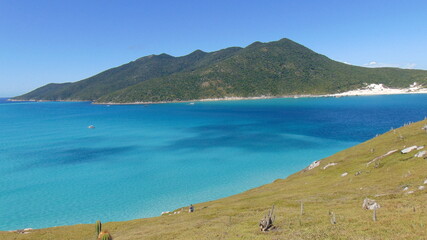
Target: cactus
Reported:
point(98, 226)
point(105, 235)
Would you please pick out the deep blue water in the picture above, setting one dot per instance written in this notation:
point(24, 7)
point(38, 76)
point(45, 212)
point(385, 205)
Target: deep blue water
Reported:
point(142, 160)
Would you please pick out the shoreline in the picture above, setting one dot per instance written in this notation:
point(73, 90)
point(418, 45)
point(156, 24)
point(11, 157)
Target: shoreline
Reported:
point(370, 90)
point(352, 93)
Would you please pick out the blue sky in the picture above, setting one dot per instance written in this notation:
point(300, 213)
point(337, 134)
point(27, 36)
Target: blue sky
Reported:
point(47, 41)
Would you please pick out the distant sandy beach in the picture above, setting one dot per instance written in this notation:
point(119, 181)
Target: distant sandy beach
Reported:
point(369, 90)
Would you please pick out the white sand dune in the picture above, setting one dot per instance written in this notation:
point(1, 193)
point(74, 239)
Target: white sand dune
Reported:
point(380, 89)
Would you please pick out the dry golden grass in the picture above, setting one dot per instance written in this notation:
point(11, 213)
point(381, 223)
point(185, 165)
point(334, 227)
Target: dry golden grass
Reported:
point(401, 216)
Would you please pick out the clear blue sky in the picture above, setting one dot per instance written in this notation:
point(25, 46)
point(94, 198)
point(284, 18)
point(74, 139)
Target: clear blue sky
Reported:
point(44, 41)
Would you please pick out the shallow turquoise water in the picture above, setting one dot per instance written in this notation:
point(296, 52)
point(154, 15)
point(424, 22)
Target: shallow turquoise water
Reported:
point(142, 160)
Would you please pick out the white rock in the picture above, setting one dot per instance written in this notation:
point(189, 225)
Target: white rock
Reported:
point(410, 192)
point(344, 174)
point(313, 165)
point(421, 187)
point(28, 229)
point(420, 147)
point(405, 189)
point(329, 165)
point(421, 154)
point(425, 181)
point(408, 150)
point(165, 212)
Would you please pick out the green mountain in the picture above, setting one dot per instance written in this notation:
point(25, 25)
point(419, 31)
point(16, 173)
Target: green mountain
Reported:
point(261, 69)
point(129, 74)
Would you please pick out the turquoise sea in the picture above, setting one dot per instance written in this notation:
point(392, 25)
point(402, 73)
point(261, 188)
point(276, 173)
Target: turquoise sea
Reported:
point(141, 160)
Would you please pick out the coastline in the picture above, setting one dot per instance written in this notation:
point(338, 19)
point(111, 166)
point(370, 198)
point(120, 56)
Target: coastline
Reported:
point(369, 90)
point(377, 90)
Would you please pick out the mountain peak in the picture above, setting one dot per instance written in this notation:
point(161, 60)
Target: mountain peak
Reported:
point(197, 53)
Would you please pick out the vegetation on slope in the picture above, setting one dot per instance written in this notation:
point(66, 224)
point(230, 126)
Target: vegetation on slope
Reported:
point(129, 74)
point(389, 181)
point(271, 69)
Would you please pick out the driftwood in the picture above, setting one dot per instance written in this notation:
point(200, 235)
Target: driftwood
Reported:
point(382, 156)
point(374, 216)
point(370, 204)
point(302, 208)
point(333, 219)
point(266, 224)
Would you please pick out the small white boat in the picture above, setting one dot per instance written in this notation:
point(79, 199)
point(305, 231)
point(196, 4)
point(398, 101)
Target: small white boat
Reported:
point(191, 103)
point(91, 126)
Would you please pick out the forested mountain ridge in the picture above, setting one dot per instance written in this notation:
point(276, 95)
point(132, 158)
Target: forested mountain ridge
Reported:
point(261, 69)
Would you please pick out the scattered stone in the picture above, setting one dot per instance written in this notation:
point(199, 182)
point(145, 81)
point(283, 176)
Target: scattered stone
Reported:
point(408, 150)
point(421, 188)
point(410, 192)
point(313, 165)
point(425, 181)
point(358, 173)
point(405, 189)
point(421, 154)
point(420, 147)
point(370, 204)
point(344, 174)
point(165, 213)
point(329, 165)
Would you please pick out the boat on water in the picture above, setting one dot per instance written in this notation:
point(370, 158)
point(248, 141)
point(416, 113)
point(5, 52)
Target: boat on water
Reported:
point(91, 126)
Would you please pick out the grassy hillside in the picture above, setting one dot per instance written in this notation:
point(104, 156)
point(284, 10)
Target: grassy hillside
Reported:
point(271, 69)
point(402, 214)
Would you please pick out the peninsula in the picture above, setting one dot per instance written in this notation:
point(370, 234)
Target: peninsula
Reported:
point(260, 70)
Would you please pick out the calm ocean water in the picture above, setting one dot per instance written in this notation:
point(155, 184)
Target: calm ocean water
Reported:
point(142, 160)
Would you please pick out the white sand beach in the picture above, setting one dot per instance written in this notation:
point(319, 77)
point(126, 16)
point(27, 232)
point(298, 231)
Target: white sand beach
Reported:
point(380, 89)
